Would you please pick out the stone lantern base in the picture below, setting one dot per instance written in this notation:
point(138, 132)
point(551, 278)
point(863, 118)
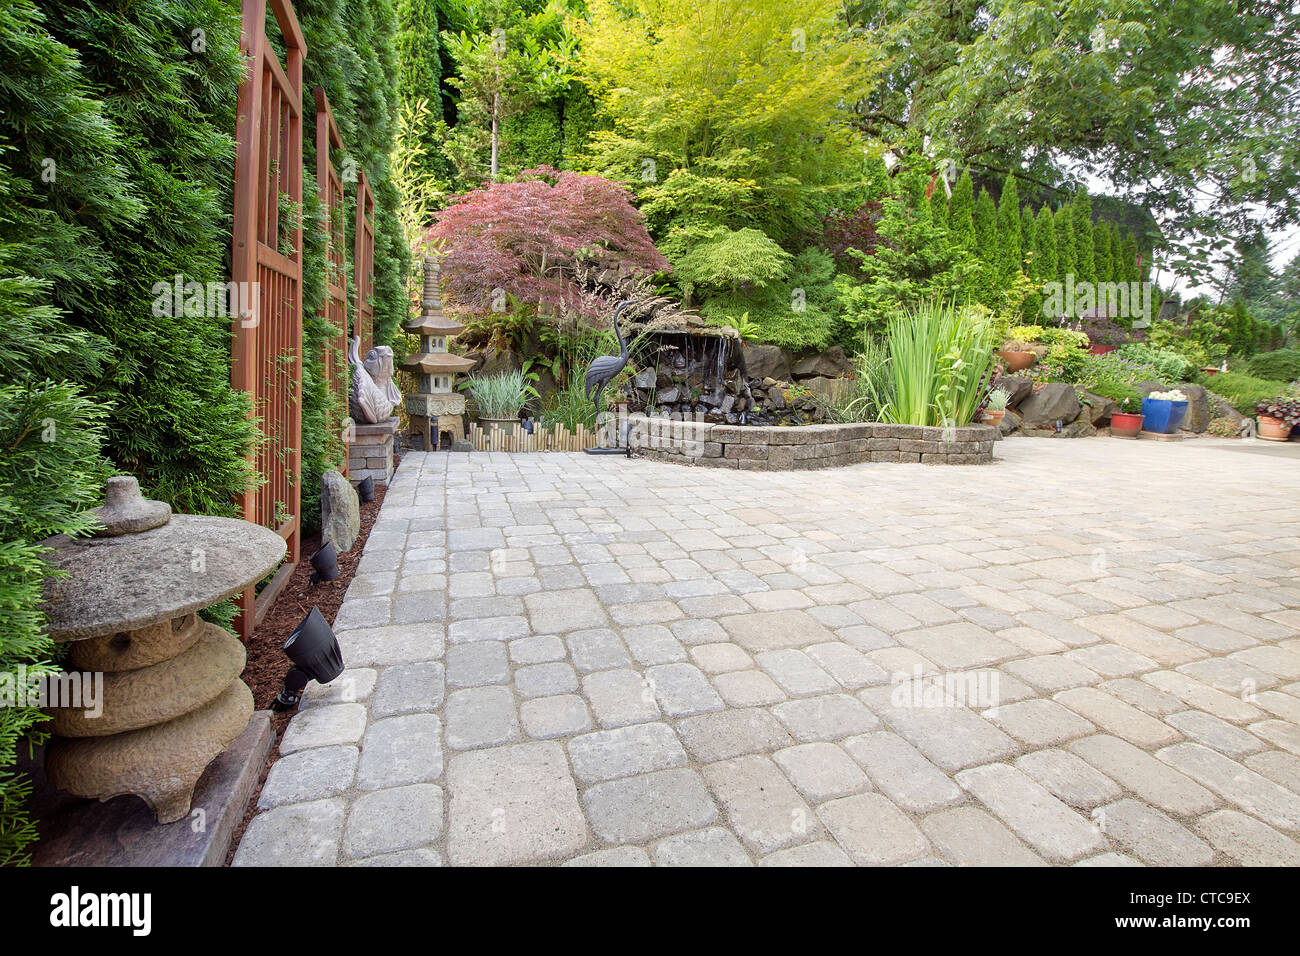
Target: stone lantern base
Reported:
point(172, 701)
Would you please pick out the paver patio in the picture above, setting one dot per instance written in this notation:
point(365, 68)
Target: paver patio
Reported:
point(564, 658)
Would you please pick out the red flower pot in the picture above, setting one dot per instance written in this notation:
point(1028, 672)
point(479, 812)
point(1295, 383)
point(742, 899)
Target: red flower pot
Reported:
point(1101, 349)
point(1125, 425)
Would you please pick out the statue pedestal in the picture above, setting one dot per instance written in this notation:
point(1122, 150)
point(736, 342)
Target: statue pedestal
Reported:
point(371, 452)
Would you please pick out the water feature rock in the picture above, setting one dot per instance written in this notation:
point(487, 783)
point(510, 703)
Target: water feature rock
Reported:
point(829, 364)
point(766, 361)
point(1054, 402)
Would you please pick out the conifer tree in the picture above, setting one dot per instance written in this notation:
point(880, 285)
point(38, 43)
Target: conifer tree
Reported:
point(1102, 255)
point(1045, 242)
point(986, 229)
point(1064, 226)
point(1010, 252)
point(1128, 267)
point(1085, 269)
point(961, 211)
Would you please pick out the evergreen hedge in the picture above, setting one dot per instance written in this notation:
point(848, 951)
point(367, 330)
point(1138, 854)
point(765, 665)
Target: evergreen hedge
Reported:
point(117, 147)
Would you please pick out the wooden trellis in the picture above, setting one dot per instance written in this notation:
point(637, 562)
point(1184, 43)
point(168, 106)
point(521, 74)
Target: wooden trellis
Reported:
point(266, 359)
point(335, 309)
point(363, 264)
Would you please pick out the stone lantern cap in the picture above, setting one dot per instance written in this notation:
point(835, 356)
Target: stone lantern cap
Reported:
point(431, 363)
point(437, 324)
point(146, 565)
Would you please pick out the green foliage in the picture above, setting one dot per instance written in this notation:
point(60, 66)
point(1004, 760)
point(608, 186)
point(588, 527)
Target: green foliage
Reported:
point(1044, 248)
point(1009, 250)
point(1283, 365)
point(1170, 366)
point(985, 226)
point(726, 260)
point(1066, 256)
point(716, 118)
point(939, 359)
point(871, 391)
point(1081, 225)
point(501, 395)
point(1243, 392)
point(961, 211)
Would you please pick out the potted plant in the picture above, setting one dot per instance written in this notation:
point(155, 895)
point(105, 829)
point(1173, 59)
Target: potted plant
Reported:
point(1105, 335)
point(995, 406)
point(1163, 412)
point(1125, 424)
point(1017, 355)
point(1277, 417)
point(500, 397)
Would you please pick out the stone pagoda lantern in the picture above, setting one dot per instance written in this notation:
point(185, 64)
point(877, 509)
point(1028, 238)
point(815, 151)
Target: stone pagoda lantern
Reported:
point(171, 697)
point(436, 399)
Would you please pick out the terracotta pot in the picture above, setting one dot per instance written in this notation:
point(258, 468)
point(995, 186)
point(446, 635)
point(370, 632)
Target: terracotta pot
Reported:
point(1125, 425)
point(992, 417)
point(1017, 361)
point(1101, 349)
point(1273, 429)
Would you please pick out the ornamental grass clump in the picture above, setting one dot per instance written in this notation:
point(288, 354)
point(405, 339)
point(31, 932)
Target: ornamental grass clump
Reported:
point(940, 356)
point(500, 396)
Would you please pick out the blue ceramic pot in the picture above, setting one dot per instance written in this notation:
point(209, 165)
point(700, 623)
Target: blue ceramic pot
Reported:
point(1162, 416)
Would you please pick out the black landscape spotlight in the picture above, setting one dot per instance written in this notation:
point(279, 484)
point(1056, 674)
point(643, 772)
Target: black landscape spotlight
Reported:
point(316, 655)
point(324, 563)
point(366, 489)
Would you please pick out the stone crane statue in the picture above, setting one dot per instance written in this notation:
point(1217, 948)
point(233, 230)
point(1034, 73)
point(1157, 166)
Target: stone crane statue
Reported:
point(603, 369)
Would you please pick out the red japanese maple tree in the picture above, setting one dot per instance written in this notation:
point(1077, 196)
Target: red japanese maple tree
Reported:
point(524, 238)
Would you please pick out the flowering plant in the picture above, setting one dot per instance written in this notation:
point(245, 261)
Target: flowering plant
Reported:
point(1173, 395)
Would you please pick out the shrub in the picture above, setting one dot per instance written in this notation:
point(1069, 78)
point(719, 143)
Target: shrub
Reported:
point(50, 473)
point(1280, 407)
point(1170, 366)
point(1126, 396)
point(1049, 335)
point(1223, 427)
point(1283, 365)
point(1243, 392)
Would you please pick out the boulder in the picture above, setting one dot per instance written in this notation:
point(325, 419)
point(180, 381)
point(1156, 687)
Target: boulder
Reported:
point(1053, 402)
point(827, 389)
point(495, 361)
point(1146, 388)
point(1219, 407)
point(766, 361)
point(829, 364)
point(1017, 389)
point(340, 511)
point(1199, 413)
point(1010, 422)
point(1097, 409)
point(1082, 428)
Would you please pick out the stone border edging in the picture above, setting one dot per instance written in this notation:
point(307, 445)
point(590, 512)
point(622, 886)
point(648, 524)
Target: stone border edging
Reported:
point(801, 447)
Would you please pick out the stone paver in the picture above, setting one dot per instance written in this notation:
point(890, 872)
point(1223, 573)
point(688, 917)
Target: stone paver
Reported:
point(557, 658)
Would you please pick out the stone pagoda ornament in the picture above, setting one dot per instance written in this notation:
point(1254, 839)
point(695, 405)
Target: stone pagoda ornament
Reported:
point(171, 697)
point(436, 407)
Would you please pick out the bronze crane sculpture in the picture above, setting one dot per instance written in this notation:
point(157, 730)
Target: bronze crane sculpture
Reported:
point(601, 372)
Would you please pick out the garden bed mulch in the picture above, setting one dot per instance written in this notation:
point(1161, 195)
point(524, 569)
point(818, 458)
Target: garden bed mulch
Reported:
point(267, 664)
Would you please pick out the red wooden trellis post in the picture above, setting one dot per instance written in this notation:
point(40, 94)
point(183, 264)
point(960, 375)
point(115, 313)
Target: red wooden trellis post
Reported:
point(330, 188)
point(266, 357)
point(363, 264)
